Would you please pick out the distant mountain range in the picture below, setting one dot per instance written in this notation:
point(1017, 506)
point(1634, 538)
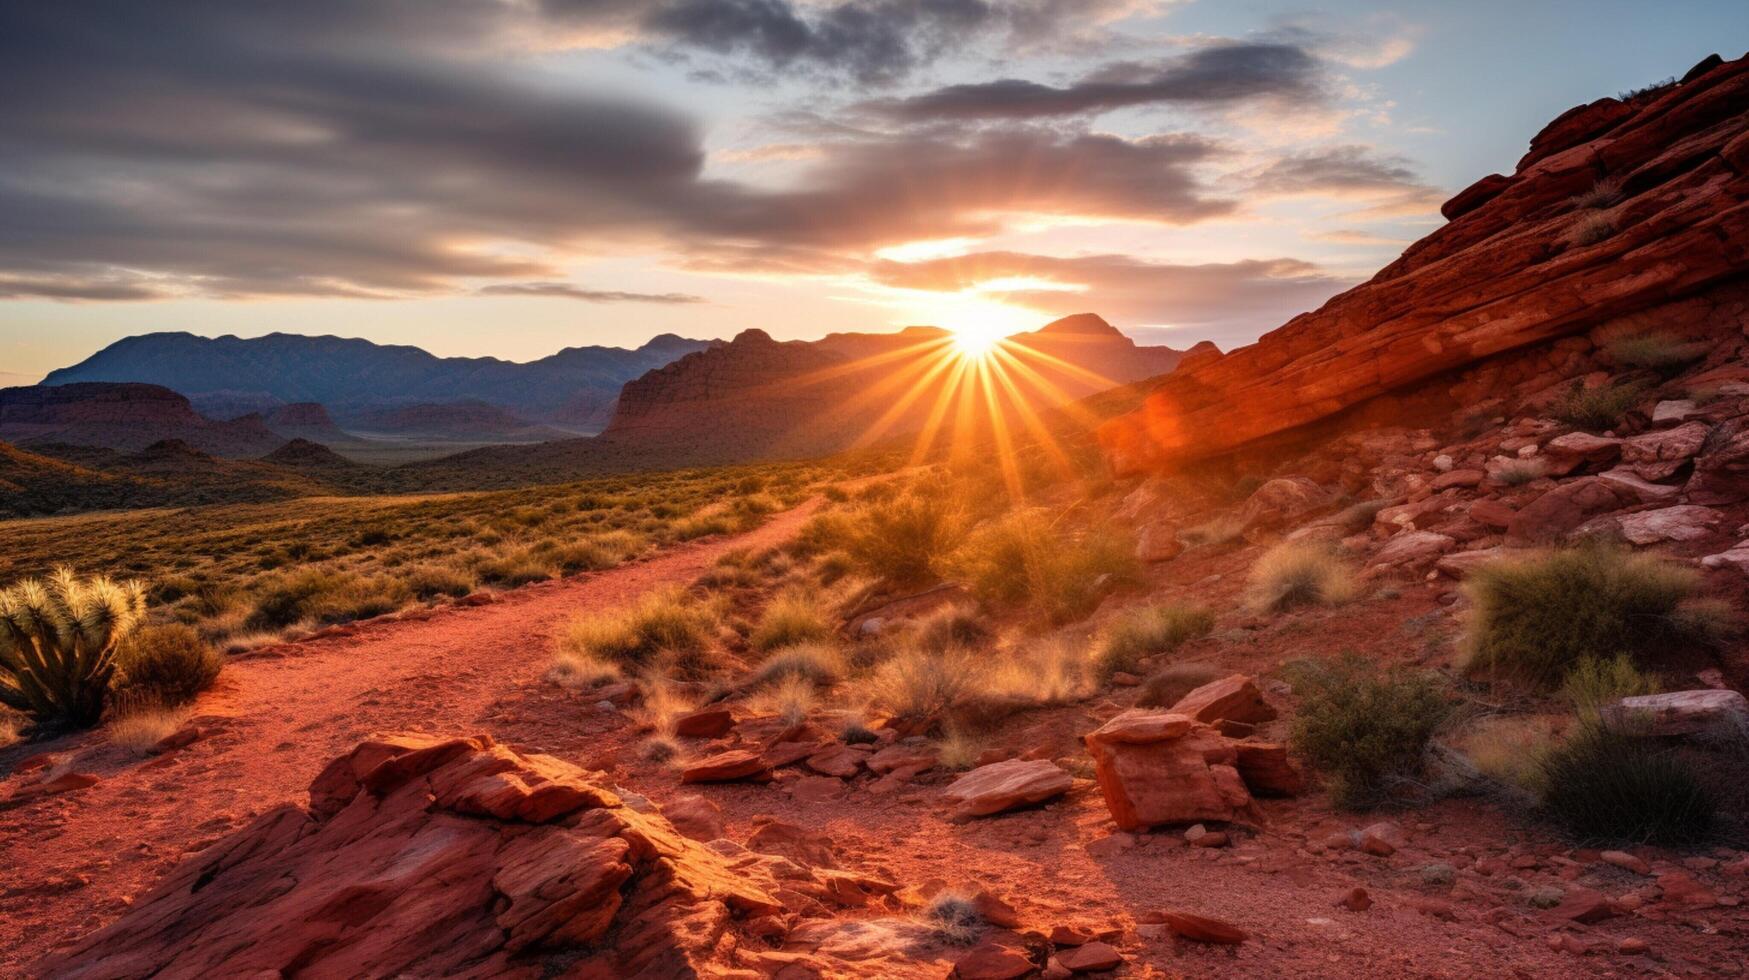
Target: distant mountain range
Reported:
point(356, 379)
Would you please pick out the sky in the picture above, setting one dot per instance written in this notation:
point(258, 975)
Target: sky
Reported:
point(512, 177)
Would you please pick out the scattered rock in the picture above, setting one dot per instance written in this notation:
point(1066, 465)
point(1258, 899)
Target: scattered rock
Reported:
point(1005, 785)
point(705, 723)
point(725, 767)
point(1090, 958)
point(1685, 522)
point(842, 761)
point(1658, 455)
point(993, 961)
point(1161, 768)
point(1235, 698)
point(1381, 839)
point(1355, 900)
point(1586, 906)
point(1202, 928)
point(1412, 549)
point(1681, 712)
point(1158, 542)
point(1626, 861)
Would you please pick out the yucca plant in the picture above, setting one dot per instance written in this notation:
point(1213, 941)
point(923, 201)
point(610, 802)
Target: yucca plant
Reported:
point(58, 642)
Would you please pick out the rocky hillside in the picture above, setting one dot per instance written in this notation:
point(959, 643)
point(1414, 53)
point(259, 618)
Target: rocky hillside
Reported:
point(124, 417)
point(758, 397)
point(1624, 217)
point(255, 374)
point(467, 419)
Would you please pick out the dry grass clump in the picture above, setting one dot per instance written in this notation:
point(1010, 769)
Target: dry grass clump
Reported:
point(952, 627)
point(1603, 194)
point(1148, 631)
point(820, 664)
point(1022, 558)
point(917, 684)
point(1224, 529)
point(139, 730)
point(702, 525)
point(1655, 350)
point(58, 644)
point(1366, 728)
point(1591, 229)
point(664, 628)
point(1600, 408)
point(1537, 618)
point(432, 579)
point(1594, 682)
point(1604, 785)
point(791, 698)
point(324, 597)
point(958, 749)
point(577, 672)
point(514, 568)
point(1300, 573)
point(167, 664)
point(903, 539)
point(793, 617)
point(1168, 685)
point(1509, 749)
point(1518, 472)
point(955, 917)
point(1047, 672)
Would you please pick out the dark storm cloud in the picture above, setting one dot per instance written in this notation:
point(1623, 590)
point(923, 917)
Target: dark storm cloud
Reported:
point(565, 290)
point(1226, 300)
point(1215, 75)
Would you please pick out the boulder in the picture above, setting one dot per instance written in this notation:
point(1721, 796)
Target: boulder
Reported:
point(1721, 474)
point(1681, 713)
point(1736, 556)
point(1267, 770)
point(1632, 487)
point(705, 723)
point(1233, 698)
point(1551, 516)
point(1412, 550)
point(1504, 275)
point(1564, 454)
point(1685, 522)
point(1673, 412)
point(842, 761)
point(1158, 542)
point(727, 767)
point(1156, 767)
point(1283, 501)
point(1006, 785)
point(1492, 512)
point(1463, 479)
point(440, 857)
point(1658, 455)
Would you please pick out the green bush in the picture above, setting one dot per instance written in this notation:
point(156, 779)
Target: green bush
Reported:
point(904, 538)
point(58, 645)
point(1021, 558)
point(1537, 618)
point(1594, 682)
point(1147, 631)
point(1604, 785)
point(166, 665)
point(663, 628)
point(1366, 728)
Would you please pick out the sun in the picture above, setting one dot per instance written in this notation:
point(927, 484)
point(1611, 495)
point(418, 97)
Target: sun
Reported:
point(975, 341)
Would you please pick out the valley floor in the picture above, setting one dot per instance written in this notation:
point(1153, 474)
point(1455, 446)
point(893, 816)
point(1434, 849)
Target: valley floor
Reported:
point(76, 861)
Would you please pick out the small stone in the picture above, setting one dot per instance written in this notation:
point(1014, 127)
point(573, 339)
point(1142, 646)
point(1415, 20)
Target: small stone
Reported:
point(1546, 897)
point(992, 961)
point(1203, 929)
point(1626, 861)
point(1090, 957)
point(1439, 875)
point(1632, 946)
point(1380, 839)
point(1355, 900)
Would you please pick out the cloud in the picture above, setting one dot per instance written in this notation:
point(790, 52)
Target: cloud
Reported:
point(1217, 74)
point(1389, 184)
point(565, 290)
point(75, 289)
point(1225, 301)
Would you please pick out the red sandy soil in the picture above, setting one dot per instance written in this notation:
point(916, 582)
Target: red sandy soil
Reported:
point(73, 861)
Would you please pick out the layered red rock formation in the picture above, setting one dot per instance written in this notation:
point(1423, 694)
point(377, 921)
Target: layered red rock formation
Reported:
point(126, 417)
point(757, 397)
point(421, 856)
point(1619, 208)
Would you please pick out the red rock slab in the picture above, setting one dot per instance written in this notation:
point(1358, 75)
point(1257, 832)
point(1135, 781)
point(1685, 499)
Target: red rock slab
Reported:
point(705, 723)
point(838, 760)
point(727, 767)
point(1005, 785)
point(993, 961)
point(1202, 928)
point(1090, 958)
point(1162, 768)
point(1235, 698)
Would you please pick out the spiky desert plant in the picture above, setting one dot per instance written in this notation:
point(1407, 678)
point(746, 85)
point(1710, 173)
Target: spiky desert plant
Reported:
point(58, 642)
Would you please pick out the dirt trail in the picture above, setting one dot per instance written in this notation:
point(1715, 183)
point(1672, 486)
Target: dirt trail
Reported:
point(73, 862)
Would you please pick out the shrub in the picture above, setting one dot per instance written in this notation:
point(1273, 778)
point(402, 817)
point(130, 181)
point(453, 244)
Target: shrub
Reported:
point(1537, 618)
point(1606, 785)
point(1596, 409)
point(515, 568)
point(902, 539)
point(140, 730)
point(1020, 558)
point(1049, 671)
point(580, 673)
point(662, 628)
point(1149, 631)
point(432, 580)
point(918, 684)
point(789, 619)
point(325, 597)
point(1603, 194)
point(952, 627)
point(1366, 728)
point(832, 566)
point(701, 526)
point(167, 665)
point(955, 917)
point(1591, 229)
point(1509, 749)
point(790, 699)
point(58, 643)
point(1168, 685)
point(817, 663)
point(1297, 573)
point(958, 749)
point(1594, 682)
point(1656, 350)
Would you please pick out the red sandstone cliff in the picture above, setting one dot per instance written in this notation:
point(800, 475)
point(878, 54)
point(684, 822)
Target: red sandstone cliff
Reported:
point(1619, 208)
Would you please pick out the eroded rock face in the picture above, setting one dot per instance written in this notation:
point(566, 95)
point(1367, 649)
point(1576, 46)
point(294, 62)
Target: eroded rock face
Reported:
point(421, 856)
point(1508, 272)
point(1162, 768)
